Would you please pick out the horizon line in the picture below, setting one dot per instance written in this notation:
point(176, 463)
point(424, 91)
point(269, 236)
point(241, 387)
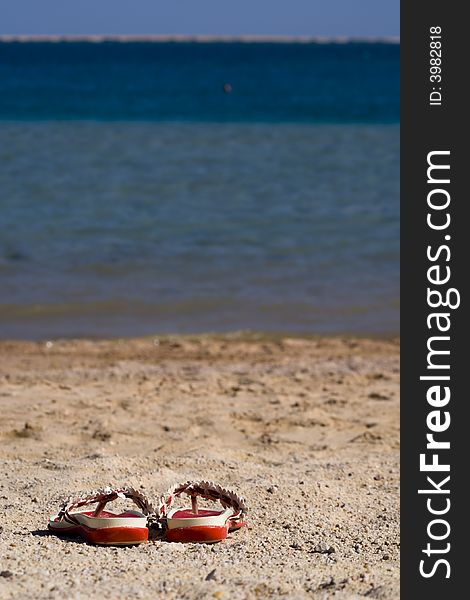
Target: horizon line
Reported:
point(200, 38)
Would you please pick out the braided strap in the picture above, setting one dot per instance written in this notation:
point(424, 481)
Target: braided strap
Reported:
point(203, 489)
point(102, 497)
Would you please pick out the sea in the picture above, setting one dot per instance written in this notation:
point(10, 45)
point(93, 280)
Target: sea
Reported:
point(184, 187)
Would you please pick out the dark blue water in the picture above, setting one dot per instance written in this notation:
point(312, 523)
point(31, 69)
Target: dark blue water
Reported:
point(137, 197)
point(355, 82)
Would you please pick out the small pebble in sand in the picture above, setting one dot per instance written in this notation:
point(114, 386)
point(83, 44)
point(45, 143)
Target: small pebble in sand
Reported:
point(296, 546)
point(329, 582)
point(6, 574)
point(211, 576)
point(323, 548)
point(377, 396)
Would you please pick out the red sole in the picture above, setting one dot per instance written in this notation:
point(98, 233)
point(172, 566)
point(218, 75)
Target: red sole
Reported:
point(207, 534)
point(109, 536)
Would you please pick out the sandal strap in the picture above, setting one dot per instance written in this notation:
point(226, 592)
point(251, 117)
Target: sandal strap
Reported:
point(204, 489)
point(102, 497)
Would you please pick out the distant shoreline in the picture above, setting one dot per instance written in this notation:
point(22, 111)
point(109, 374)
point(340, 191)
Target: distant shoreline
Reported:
point(199, 39)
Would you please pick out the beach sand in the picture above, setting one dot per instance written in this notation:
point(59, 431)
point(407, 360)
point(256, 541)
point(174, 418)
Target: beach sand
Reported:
point(306, 429)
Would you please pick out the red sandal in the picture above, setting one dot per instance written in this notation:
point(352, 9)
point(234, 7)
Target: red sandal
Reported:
point(201, 525)
point(100, 526)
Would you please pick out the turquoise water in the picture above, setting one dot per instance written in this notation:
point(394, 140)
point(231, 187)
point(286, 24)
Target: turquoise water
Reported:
point(136, 197)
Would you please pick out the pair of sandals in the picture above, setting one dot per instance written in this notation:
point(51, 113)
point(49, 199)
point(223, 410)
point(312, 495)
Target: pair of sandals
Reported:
point(194, 524)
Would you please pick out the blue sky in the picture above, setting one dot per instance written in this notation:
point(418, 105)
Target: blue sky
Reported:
point(357, 18)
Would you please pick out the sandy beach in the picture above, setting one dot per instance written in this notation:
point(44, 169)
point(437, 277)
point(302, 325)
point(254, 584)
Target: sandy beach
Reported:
point(305, 429)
